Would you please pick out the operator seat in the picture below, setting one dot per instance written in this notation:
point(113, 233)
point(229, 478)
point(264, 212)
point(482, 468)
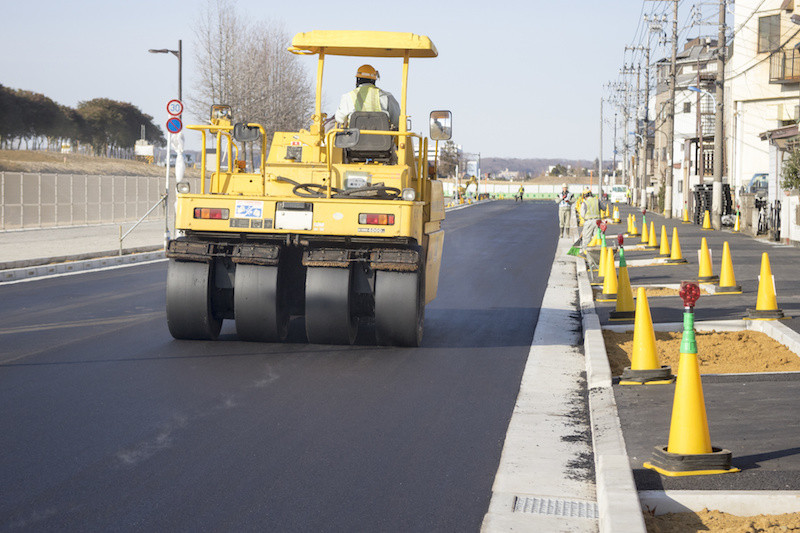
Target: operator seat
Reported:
point(373, 147)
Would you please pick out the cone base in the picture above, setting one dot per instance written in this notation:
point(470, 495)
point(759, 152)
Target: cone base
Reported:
point(707, 229)
point(607, 297)
point(686, 222)
point(771, 314)
point(622, 315)
point(732, 289)
point(648, 376)
point(637, 234)
point(664, 255)
point(652, 247)
point(708, 279)
point(676, 464)
point(677, 261)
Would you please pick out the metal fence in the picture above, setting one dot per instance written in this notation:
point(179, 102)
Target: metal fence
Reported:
point(30, 200)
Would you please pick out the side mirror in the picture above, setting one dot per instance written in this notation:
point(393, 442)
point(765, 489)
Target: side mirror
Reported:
point(441, 127)
point(219, 111)
point(346, 138)
point(244, 133)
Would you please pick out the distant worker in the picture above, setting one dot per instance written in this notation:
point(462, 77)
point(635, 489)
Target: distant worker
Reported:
point(367, 97)
point(590, 211)
point(520, 193)
point(565, 201)
point(628, 196)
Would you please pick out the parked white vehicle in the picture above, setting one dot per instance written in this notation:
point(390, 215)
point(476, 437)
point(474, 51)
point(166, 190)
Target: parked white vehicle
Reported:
point(618, 194)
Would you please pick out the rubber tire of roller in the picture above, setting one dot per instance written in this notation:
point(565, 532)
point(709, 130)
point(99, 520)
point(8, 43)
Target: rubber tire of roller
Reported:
point(399, 308)
point(329, 317)
point(258, 308)
point(190, 313)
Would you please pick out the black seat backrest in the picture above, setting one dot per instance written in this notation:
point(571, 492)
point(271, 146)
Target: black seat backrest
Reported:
point(371, 144)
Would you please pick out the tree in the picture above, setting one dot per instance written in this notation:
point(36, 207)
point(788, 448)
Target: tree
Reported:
point(791, 171)
point(112, 124)
point(559, 170)
point(246, 66)
point(448, 159)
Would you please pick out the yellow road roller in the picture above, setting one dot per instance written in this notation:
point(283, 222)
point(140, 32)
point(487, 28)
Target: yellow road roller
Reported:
point(340, 225)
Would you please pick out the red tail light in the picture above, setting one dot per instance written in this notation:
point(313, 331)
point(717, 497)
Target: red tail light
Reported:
point(212, 213)
point(376, 219)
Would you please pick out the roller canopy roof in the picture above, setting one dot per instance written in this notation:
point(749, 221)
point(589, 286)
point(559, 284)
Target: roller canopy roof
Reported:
point(363, 43)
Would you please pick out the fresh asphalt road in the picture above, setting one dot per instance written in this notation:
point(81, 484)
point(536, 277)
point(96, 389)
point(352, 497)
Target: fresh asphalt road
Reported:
point(108, 424)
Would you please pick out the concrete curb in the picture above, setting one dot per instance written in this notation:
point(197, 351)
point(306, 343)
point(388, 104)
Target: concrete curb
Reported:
point(17, 274)
point(617, 498)
point(738, 503)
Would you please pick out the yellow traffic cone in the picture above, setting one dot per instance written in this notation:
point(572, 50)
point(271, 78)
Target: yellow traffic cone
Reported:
point(766, 303)
point(705, 274)
point(652, 242)
point(645, 236)
point(688, 451)
point(644, 358)
point(685, 217)
point(676, 257)
point(634, 230)
point(625, 309)
point(727, 280)
point(615, 218)
point(607, 213)
point(707, 222)
point(628, 230)
point(609, 279)
point(736, 226)
point(601, 264)
point(664, 251)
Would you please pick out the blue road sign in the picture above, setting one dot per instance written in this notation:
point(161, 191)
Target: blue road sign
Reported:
point(174, 125)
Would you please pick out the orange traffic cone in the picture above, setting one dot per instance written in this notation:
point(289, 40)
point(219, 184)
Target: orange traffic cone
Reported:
point(644, 359)
point(707, 222)
point(705, 274)
point(664, 251)
point(689, 451)
point(676, 257)
point(766, 303)
point(727, 280)
point(609, 279)
point(625, 309)
point(652, 242)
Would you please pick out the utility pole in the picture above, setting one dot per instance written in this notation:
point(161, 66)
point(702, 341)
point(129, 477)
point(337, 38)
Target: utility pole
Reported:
point(671, 114)
point(719, 157)
point(600, 157)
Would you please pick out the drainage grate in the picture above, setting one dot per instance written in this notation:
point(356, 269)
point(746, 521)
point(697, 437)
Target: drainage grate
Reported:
point(556, 507)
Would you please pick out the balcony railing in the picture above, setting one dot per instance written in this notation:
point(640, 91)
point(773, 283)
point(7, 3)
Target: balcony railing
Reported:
point(784, 66)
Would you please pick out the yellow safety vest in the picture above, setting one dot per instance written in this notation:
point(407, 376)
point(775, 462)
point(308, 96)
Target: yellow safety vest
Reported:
point(366, 98)
point(592, 207)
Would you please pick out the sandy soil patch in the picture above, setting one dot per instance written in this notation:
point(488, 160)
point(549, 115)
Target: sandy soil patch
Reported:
point(715, 521)
point(726, 352)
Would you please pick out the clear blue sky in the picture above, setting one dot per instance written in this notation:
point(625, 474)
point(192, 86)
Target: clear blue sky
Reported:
point(523, 78)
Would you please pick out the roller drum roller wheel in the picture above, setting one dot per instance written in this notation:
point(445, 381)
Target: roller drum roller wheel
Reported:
point(190, 312)
point(329, 306)
point(399, 308)
point(259, 310)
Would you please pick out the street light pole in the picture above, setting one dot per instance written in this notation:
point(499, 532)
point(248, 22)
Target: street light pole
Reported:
point(179, 54)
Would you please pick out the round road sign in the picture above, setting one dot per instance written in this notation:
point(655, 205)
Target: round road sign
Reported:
point(174, 107)
point(174, 125)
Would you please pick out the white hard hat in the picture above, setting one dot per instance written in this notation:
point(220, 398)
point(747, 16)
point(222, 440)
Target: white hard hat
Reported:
point(563, 185)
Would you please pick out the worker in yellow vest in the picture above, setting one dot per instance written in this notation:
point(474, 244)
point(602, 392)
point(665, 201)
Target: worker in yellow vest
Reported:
point(367, 97)
point(590, 212)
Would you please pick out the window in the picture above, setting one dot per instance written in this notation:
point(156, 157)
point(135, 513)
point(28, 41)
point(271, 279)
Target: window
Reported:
point(687, 107)
point(769, 30)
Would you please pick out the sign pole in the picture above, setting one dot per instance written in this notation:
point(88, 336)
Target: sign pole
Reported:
point(166, 193)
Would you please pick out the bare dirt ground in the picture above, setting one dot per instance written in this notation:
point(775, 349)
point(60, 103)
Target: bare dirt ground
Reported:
point(58, 163)
point(716, 521)
point(718, 353)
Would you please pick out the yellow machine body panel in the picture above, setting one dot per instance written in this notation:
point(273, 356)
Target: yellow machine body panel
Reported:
point(363, 44)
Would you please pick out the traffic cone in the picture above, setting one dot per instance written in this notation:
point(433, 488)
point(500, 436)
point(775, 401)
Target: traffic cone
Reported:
point(676, 257)
point(595, 238)
point(609, 293)
point(644, 358)
point(685, 217)
point(727, 280)
point(634, 230)
point(707, 222)
point(736, 226)
point(766, 303)
point(628, 229)
point(705, 274)
point(625, 309)
point(601, 264)
point(652, 242)
point(688, 451)
point(645, 236)
point(664, 251)
point(607, 213)
point(615, 218)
